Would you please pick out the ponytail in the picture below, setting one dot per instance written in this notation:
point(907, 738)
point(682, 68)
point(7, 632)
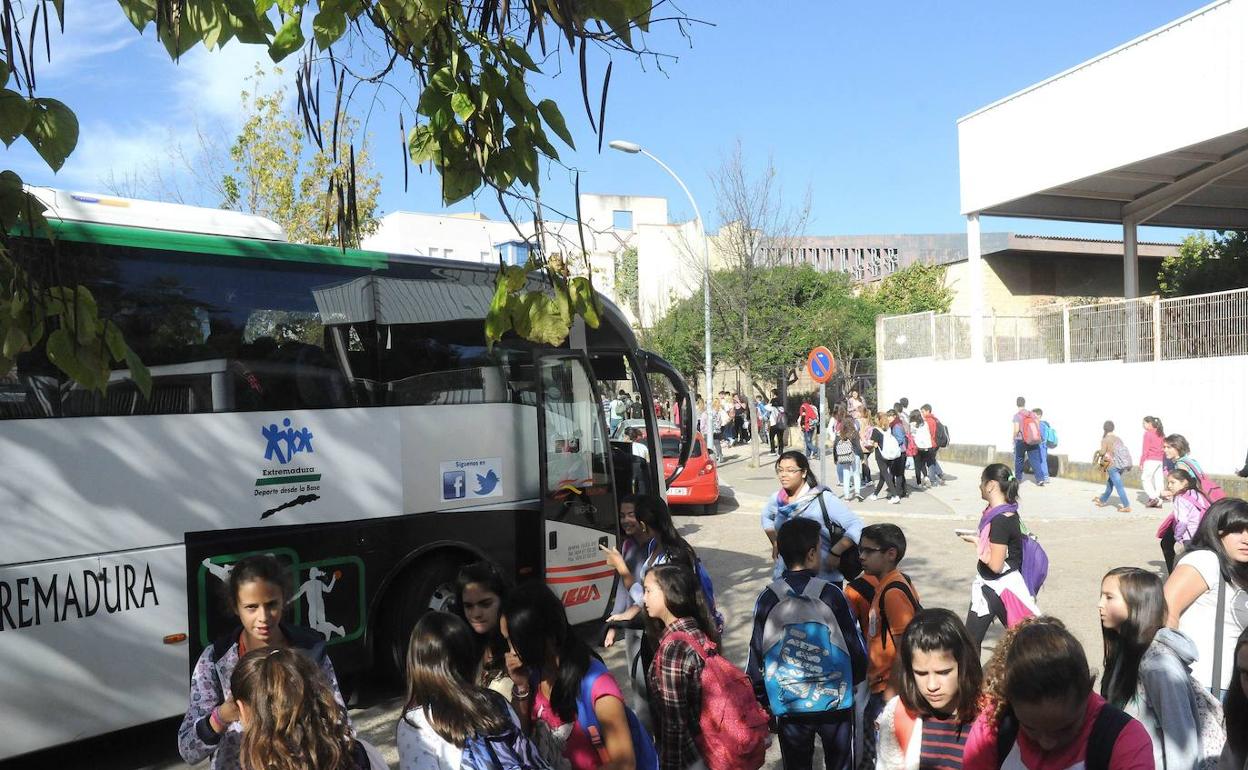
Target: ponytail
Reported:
point(1004, 477)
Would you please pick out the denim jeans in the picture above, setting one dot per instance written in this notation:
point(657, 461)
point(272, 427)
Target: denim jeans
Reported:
point(1038, 467)
point(812, 444)
point(850, 475)
point(1114, 482)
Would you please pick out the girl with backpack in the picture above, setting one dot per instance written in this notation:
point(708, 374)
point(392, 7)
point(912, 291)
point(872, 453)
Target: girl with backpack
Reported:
point(923, 446)
point(999, 591)
point(1235, 752)
point(449, 720)
point(1042, 714)
point(887, 451)
point(847, 451)
point(481, 591)
point(1146, 671)
point(937, 680)
point(715, 727)
point(291, 716)
point(1208, 590)
point(570, 703)
point(256, 590)
point(1116, 460)
point(1152, 455)
point(1190, 504)
point(800, 495)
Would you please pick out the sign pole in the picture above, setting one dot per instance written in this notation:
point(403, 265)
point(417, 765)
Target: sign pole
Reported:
point(821, 437)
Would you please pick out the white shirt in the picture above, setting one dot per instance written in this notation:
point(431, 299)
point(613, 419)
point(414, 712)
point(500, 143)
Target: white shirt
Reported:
point(420, 748)
point(1198, 621)
point(641, 450)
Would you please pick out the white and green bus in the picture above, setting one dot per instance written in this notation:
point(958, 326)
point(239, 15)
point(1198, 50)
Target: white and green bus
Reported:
point(338, 409)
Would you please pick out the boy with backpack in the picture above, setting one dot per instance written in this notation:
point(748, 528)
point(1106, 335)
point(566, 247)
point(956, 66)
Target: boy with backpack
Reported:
point(893, 604)
point(1028, 438)
point(807, 661)
point(1049, 436)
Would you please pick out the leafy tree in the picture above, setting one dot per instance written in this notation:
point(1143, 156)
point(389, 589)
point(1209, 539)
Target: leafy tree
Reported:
point(474, 122)
point(626, 288)
point(1206, 264)
point(272, 177)
point(916, 288)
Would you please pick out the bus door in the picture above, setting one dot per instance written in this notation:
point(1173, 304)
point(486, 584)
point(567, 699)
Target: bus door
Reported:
point(578, 487)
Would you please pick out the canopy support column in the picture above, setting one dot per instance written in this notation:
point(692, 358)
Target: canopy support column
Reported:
point(1130, 260)
point(976, 288)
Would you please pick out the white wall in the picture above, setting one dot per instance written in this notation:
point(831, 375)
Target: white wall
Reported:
point(1203, 399)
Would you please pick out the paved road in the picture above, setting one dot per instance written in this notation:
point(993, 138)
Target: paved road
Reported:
point(1083, 543)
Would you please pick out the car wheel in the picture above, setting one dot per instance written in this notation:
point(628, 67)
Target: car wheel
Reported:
point(710, 509)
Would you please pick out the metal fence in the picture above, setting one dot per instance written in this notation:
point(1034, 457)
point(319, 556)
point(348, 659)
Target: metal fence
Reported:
point(1144, 329)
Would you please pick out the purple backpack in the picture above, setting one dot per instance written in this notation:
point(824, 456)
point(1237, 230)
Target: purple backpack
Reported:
point(1035, 566)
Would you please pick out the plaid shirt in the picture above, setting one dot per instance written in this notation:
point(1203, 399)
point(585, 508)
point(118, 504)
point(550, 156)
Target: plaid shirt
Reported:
point(676, 695)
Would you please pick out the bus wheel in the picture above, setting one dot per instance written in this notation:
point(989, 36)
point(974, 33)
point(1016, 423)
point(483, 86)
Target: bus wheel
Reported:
point(427, 585)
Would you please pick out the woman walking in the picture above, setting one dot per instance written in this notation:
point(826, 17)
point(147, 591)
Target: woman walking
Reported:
point(999, 591)
point(886, 451)
point(1152, 454)
point(1115, 458)
point(800, 495)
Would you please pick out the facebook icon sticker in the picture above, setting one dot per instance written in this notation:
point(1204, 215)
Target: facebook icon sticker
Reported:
point(453, 485)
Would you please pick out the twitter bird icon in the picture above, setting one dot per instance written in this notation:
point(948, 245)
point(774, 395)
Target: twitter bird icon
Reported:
point(486, 483)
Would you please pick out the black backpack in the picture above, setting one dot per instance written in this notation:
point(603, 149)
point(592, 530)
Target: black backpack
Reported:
point(851, 559)
point(942, 435)
point(866, 590)
point(1109, 724)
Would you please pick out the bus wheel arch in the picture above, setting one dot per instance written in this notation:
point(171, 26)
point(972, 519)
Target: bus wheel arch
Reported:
point(422, 581)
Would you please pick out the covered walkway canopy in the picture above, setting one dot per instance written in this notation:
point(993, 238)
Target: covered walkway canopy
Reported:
point(1153, 132)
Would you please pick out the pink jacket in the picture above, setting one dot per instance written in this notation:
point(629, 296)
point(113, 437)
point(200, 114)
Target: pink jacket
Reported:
point(1189, 509)
point(1153, 447)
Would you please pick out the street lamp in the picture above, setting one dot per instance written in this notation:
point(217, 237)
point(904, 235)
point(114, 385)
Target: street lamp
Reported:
point(633, 148)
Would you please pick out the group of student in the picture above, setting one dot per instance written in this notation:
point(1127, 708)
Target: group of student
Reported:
point(841, 650)
point(1173, 688)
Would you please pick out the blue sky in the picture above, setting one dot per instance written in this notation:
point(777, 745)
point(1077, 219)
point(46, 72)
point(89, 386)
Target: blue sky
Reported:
point(857, 102)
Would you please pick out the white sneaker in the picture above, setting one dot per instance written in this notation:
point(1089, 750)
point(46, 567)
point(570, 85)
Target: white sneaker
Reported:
point(894, 500)
point(873, 497)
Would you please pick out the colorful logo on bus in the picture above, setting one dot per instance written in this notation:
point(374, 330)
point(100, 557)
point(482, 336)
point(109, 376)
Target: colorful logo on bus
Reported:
point(285, 442)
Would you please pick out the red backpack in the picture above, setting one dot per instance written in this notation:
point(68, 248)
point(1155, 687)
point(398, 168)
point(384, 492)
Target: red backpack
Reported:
point(733, 733)
point(1029, 429)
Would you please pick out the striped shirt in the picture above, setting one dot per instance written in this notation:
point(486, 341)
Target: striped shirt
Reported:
point(942, 744)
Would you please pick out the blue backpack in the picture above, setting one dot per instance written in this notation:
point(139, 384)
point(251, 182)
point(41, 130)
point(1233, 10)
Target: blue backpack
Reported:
point(1050, 435)
point(509, 750)
point(806, 663)
point(644, 754)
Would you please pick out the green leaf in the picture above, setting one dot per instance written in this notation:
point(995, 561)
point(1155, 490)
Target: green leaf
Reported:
point(422, 145)
point(87, 316)
point(549, 318)
point(517, 54)
point(15, 341)
point(64, 355)
point(4, 73)
point(288, 39)
point(14, 115)
point(139, 373)
point(19, 208)
point(584, 300)
point(514, 277)
point(554, 118)
point(498, 317)
point(52, 130)
point(462, 104)
point(139, 12)
point(117, 347)
point(328, 26)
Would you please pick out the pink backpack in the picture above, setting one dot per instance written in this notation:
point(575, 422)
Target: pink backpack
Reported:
point(734, 732)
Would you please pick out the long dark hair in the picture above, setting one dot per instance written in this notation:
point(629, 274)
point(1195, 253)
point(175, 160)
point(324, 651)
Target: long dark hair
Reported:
point(654, 513)
point(295, 722)
point(1185, 476)
point(1179, 443)
point(1230, 514)
point(1235, 707)
point(1045, 661)
point(486, 576)
point(442, 664)
point(1004, 477)
point(1142, 592)
point(1156, 423)
point(682, 592)
point(536, 623)
point(931, 630)
point(802, 462)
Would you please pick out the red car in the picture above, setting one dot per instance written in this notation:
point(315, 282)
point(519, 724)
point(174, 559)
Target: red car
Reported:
point(698, 483)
